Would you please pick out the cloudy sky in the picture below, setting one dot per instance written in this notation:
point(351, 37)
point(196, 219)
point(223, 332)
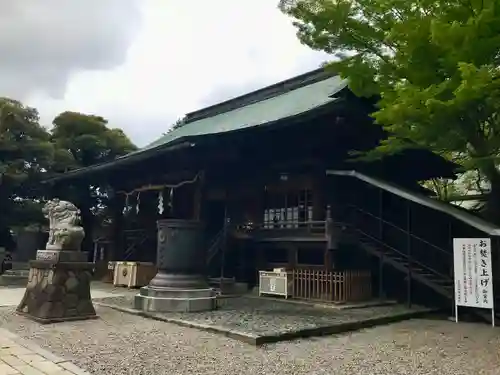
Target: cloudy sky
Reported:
point(143, 63)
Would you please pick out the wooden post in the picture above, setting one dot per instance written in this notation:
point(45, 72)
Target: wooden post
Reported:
point(319, 206)
point(408, 249)
point(116, 206)
point(381, 237)
point(199, 194)
point(452, 271)
point(224, 245)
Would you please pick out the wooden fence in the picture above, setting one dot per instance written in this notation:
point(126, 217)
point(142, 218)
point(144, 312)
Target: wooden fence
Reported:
point(334, 286)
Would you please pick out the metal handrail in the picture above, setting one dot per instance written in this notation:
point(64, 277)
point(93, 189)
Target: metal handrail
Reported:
point(401, 229)
point(132, 248)
point(422, 200)
point(403, 254)
point(214, 247)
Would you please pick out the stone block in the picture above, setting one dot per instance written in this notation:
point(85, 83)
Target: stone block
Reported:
point(174, 300)
point(61, 256)
point(58, 291)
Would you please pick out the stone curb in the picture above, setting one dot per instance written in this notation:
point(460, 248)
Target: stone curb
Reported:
point(273, 338)
point(341, 327)
point(36, 349)
point(325, 306)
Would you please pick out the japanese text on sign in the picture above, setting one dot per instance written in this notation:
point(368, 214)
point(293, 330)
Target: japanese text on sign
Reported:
point(472, 268)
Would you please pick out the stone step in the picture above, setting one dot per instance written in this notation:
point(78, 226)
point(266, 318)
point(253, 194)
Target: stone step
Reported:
point(15, 276)
point(13, 280)
point(17, 273)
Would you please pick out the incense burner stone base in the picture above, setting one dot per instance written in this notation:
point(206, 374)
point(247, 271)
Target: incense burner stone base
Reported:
point(151, 299)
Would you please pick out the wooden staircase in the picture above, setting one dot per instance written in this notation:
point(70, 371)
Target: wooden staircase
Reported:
point(440, 283)
point(410, 232)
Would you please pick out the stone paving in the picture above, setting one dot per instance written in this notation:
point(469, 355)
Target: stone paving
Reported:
point(261, 320)
point(20, 356)
point(121, 344)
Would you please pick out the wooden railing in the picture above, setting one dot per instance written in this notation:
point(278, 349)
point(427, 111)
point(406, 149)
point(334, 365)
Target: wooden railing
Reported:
point(314, 229)
point(411, 227)
point(334, 286)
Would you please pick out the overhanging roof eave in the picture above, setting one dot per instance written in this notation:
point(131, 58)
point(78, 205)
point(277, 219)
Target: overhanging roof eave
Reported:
point(182, 143)
point(422, 200)
point(121, 162)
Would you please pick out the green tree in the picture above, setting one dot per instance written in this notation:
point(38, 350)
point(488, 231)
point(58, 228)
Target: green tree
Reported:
point(29, 153)
point(90, 141)
point(433, 65)
point(26, 155)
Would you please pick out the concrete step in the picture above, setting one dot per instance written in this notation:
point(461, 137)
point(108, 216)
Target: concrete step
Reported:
point(18, 272)
point(228, 286)
point(14, 277)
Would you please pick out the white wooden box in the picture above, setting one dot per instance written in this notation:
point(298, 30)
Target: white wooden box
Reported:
point(276, 283)
point(133, 274)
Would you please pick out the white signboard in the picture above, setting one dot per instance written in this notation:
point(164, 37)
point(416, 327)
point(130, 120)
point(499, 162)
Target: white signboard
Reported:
point(473, 277)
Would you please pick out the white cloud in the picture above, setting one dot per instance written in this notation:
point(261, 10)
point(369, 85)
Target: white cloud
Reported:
point(43, 42)
point(188, 54)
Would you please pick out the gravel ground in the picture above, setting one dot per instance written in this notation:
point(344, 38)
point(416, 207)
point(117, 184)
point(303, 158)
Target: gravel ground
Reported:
point(261, 316)
point(120, 344)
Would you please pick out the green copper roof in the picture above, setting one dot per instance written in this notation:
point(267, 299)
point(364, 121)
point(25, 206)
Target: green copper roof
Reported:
point(280, 101)
point(288, 104)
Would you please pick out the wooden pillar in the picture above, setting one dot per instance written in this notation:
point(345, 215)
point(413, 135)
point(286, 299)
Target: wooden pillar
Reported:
point(408, 249)
point(381, 292)
point(199, 194)
point(292, 257)
point(326, 204)
point(319, 203)
point(117, 226)
point(329, 266)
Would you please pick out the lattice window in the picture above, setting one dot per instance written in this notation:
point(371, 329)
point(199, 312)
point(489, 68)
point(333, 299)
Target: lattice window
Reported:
point(292, 209)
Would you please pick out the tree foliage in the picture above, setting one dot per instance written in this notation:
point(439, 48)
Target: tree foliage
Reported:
point(25, 147)
point(26, 153)
point(88, 138)
point(90, 141)
point(432, 63)
point(30, 152)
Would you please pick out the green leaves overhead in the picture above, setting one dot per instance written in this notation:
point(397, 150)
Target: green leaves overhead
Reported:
point(434, 65)
point(30, 152)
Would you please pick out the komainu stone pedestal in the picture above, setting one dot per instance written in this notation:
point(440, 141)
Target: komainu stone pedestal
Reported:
point(58, 291)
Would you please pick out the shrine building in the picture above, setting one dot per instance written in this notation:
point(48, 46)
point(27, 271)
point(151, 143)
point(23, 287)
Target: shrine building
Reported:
point(272, 177)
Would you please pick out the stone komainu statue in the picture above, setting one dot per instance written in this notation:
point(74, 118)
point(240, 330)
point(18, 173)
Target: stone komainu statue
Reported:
point(65, 233)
